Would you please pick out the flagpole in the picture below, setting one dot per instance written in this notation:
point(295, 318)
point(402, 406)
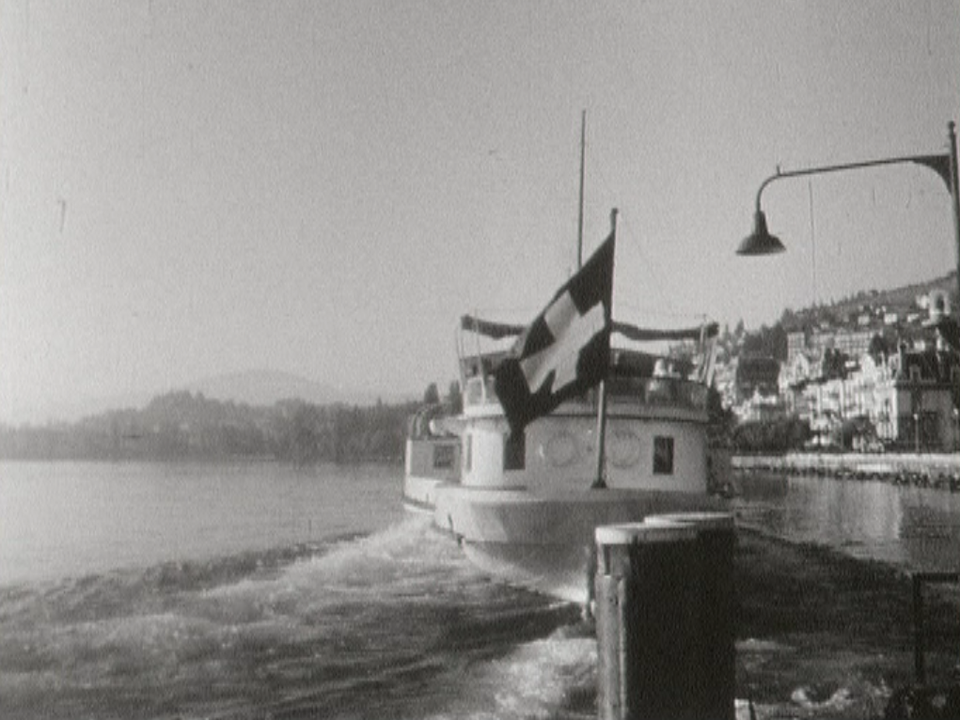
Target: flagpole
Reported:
point(600, 482)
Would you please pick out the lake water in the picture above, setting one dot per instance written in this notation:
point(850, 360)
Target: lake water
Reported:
point(256, 591)
point(911, 528)
point(59, 519)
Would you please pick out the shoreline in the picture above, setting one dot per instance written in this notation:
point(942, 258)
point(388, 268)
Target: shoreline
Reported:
point(940, 470)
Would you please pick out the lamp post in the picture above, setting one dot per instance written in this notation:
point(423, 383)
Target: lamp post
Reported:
point(761, 242)
point(956, 428)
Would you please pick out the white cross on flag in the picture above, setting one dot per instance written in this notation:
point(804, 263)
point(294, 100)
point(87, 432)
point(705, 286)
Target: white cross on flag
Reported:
point(566, 349)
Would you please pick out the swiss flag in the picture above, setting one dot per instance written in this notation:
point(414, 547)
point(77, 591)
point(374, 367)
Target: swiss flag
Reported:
point(566, 349)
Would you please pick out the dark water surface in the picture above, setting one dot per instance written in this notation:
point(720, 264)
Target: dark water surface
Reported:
point(200, 592)
point(255, 591)
point(911, 528)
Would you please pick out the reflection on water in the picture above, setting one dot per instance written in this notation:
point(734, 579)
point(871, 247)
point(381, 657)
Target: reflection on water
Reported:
point(913, 528)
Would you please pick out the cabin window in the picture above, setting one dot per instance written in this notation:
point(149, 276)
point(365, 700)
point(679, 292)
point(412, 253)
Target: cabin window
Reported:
point(662, 455)
point(514, 451)
point(468, 452)
point(443, 456)
point(914, 373)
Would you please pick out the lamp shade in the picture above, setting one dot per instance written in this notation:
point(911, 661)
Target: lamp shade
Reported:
point(760, 241)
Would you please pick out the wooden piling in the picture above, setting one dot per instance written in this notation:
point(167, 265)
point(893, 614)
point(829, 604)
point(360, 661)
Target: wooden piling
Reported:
point(716, 680)
point(664, 618)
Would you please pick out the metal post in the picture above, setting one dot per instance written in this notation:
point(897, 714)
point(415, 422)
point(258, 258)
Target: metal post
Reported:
point(954, 191)
point(600, 481)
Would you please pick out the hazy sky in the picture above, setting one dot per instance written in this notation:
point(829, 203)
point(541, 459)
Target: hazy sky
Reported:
point(320, 187)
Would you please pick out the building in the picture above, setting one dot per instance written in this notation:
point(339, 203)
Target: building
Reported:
point(910, 397)
point(754, 392)
point(852, 343)
point(923, 400)
point(756, 374)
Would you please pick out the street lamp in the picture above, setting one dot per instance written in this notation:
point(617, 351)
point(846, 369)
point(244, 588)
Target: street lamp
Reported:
point(761, 242)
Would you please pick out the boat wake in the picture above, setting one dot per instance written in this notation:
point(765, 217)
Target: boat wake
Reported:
point(392, 624)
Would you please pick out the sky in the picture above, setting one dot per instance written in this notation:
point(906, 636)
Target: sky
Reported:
point(193, 188)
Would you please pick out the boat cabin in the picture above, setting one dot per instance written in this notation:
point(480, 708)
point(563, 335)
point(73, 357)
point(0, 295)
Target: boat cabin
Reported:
point(656, 423)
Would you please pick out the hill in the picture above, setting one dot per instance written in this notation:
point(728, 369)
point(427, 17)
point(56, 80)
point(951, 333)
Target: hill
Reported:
point(868, 310)
point(876, 304)
point(266, 387)
point(901, 299)
point(183, 426)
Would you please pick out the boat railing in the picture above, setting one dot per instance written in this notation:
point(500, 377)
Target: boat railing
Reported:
point(658, 392)
point(426, 423)
point(480, 391)
point(622, 391)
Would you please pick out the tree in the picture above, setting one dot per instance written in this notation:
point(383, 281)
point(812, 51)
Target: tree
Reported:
point(454, 398)
point(431, 396)
point(878, 346)
point(305, 435)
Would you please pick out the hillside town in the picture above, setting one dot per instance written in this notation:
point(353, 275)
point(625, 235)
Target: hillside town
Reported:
point(881, 373)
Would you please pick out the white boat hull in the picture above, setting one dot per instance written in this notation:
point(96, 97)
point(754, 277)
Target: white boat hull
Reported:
point(420, 494)
point(546, 543)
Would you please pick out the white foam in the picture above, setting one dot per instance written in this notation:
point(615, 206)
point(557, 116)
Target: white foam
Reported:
point(532, 681)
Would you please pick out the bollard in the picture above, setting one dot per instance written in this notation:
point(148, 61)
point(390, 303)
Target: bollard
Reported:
point(716, 680)
point(645, 611)
point(664, 614)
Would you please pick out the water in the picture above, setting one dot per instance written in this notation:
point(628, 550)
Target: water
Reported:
point(156, 591)
point(255, 591)
point(913, 529)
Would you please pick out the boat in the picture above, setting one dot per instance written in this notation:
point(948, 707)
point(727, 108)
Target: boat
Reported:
point(545, 447)
point(525, 510)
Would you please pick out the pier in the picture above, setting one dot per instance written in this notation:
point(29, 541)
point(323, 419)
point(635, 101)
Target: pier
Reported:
point(937, 470)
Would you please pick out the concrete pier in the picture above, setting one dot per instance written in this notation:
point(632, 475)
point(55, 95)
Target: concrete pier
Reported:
point(939, 470)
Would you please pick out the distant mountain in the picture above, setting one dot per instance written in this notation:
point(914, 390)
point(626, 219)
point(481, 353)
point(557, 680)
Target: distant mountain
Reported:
point(266, 387)
point(71, 410)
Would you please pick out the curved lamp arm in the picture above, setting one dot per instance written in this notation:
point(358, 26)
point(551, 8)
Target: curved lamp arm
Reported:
point(761, 242)
point(938, 163)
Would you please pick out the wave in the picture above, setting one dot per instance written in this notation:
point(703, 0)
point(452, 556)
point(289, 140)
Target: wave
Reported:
point(386, 624)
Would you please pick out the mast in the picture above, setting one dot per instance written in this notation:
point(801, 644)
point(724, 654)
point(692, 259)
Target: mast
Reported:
point(583, 137)
point(600, 481)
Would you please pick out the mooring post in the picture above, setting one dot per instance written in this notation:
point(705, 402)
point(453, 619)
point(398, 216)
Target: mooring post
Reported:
point(664, 618)
point(716, 658)
point(645, 638)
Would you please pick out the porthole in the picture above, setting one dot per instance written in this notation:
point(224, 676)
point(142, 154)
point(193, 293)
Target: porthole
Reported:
point(561, 450)
point(623, 449)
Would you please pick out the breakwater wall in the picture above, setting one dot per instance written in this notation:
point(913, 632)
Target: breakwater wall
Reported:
point(937, 470)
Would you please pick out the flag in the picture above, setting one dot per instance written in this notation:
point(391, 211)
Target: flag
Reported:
point(566, 349)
